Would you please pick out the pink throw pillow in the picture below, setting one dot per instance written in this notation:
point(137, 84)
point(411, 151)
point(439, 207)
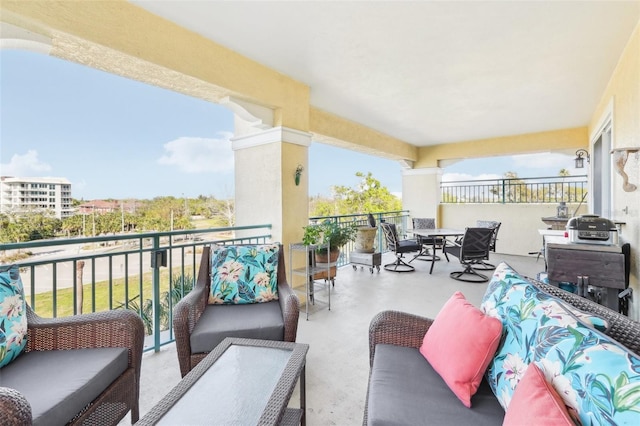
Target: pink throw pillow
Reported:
point(535, 402)
point(460, 344)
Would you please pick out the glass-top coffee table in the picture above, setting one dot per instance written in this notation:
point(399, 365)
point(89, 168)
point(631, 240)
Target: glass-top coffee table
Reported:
point(241, 382)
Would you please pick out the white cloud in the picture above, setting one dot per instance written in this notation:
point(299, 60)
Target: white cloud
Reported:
point(199, 155)
point(26, 165)
point(542, 161)
point(455, 177)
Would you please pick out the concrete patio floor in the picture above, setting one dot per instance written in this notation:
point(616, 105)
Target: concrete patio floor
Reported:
point(338, 357)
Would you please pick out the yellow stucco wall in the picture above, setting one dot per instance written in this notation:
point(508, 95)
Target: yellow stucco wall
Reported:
point(334, 130)
point(623, 92)
point(556, 140)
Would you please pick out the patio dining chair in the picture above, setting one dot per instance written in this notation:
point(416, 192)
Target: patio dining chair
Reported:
point(426, 242)
point(471, 251)
point(245, 306)
point(495, 226)
point(399, 247)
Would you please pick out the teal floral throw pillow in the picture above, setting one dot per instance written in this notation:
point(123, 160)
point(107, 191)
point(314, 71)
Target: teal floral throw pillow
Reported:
point(13, 314)
point(244, 274)
point(598, 378)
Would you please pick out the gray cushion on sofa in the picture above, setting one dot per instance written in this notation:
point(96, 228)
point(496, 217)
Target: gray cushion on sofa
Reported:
point(405, 389)
point(59, 384)
point(253, 321)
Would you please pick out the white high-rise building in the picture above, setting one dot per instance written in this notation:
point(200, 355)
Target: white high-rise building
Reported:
point(20, 195)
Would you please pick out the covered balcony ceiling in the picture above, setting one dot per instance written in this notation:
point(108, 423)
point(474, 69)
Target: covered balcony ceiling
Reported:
point(430, 72)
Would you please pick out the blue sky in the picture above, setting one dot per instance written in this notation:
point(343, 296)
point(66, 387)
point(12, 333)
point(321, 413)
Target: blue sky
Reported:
point(112, 137)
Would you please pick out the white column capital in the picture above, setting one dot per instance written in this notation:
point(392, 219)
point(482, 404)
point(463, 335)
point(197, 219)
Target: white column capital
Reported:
point(255, 116)
point(276, 134)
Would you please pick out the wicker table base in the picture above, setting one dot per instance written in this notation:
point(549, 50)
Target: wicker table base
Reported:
point(242, 381)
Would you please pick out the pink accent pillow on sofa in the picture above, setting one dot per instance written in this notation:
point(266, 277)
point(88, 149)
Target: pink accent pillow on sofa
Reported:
point(460, 344)
point(536, 402)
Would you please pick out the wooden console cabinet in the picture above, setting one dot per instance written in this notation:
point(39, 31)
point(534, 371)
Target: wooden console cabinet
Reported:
point(598, 265)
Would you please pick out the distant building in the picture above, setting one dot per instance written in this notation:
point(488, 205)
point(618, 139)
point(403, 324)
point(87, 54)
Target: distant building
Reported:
point(19, 195)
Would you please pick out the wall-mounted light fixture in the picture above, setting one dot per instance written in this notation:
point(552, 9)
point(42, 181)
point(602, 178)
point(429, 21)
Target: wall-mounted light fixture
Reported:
point(580, 156)
point(299, 170)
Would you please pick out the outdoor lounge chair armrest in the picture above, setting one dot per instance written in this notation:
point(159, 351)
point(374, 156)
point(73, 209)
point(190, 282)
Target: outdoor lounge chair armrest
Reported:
point(120, 328)
point(397, 328)
point(186, 314)
point(14, 408)
point(188, 310)
point(290, 307)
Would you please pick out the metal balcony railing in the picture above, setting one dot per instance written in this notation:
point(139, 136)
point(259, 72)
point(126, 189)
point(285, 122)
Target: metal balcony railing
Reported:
point(517, 190)
point(147, 273)
point(399, 217)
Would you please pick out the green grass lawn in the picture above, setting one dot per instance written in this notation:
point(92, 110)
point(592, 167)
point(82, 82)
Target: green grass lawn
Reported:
point(100, 293)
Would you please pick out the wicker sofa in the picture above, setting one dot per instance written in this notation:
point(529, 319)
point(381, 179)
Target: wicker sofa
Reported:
point(83, 369)
point(405, 389)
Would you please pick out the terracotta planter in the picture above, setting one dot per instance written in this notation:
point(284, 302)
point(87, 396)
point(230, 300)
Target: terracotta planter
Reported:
point(322, 258)
point(365, 239)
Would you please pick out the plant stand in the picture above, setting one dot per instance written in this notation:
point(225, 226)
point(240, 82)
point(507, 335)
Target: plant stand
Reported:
point(370, 260)
point(318, 277)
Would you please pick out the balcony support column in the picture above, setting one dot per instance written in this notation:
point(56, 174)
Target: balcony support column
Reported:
point(421, 192)
point(265, 181)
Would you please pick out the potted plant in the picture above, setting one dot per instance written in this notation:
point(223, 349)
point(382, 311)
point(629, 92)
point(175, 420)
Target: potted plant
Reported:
point(331, 234)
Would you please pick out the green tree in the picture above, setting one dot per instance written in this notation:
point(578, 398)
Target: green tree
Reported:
point(73, 225)
point(222, 211)
point(368, 196)
point(29, 226)
point(514, 190)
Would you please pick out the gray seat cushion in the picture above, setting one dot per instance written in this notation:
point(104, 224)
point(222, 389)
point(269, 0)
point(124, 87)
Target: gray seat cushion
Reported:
point(251, 321)
point(59, 384)
point(405, 390)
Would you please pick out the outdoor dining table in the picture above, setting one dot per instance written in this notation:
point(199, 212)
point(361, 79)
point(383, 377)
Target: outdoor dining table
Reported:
point(434, 234)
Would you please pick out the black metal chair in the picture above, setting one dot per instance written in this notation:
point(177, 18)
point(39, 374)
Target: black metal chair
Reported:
point(399, 247)
point(426, 243)
point(495, 226)
point(471, 251)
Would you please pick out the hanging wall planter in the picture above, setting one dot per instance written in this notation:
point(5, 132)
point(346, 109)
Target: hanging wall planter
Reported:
point(299, 170)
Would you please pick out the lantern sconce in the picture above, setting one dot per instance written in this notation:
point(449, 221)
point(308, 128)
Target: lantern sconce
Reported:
point(580, 156)
point(299, 170)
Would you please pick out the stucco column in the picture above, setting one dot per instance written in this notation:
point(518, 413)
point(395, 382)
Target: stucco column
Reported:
point(265, 189)
point(421, 192)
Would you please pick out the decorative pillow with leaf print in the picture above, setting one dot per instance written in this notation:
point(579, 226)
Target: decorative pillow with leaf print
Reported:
point(510, 298)
point(596, 376)
point(13, 314)
point(244, 274)
point(598, 379)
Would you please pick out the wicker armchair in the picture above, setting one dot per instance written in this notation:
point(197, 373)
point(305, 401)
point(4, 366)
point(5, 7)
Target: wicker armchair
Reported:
point(109, 329)
point(188, 312)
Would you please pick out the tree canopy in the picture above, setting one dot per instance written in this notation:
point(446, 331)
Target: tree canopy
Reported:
point(368, 196)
